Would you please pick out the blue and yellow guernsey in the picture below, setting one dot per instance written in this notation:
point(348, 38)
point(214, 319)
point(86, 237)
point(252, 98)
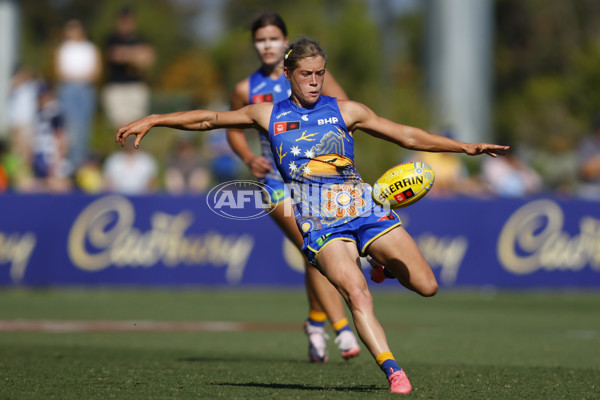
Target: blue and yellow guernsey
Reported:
point(315, 155)
point(264, 89)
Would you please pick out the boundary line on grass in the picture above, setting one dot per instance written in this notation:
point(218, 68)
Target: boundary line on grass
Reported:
point(142, 326)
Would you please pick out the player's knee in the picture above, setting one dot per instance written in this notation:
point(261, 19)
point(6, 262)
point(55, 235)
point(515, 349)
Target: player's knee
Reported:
point(359, 298)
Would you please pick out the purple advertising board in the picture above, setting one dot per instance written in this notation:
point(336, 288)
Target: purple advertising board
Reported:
point(177, 241)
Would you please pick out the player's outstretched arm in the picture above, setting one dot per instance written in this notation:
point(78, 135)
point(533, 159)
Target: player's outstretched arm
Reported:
point(254, 116)
point(360, 117)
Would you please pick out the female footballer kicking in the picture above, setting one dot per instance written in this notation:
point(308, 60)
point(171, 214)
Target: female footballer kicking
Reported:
point(269, 84)
point(334, 208)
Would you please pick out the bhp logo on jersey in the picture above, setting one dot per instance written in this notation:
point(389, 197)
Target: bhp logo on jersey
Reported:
point(324, 121)
point(239, 200)
point(286, 126)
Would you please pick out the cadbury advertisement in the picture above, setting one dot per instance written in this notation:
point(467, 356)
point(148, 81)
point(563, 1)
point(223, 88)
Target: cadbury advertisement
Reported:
point(227, 240)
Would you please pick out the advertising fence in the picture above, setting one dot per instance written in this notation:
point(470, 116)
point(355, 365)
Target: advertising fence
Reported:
point(177, 241)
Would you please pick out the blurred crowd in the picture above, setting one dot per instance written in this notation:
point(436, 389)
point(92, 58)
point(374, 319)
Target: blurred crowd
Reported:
point(49, 148)
point(567, 173)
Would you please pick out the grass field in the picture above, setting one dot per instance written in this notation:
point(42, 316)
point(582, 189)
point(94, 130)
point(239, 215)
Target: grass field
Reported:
point(457, 345)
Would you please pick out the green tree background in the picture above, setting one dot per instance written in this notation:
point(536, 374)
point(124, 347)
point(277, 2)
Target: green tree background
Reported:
point(546, 65)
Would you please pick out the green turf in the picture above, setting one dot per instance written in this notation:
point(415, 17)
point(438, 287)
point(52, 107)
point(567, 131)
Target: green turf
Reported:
point(457, 345)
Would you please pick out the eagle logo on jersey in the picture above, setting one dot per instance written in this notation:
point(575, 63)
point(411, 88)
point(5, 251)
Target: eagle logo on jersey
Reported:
point(328, 164)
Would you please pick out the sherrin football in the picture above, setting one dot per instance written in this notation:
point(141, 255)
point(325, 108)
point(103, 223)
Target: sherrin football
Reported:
point(403, 185)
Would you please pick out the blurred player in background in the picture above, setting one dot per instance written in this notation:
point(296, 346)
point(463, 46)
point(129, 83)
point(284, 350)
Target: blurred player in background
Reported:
point(269, 84)
point(334, 237)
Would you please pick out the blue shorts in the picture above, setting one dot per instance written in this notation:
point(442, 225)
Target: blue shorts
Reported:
point(362, 230)
point(274, 191)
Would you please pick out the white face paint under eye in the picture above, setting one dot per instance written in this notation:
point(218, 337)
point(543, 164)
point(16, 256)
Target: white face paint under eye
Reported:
point(263, 44)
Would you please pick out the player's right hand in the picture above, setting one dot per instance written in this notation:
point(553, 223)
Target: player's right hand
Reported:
point(260, 166)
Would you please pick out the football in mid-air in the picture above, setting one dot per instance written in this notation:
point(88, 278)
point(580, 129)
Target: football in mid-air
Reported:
point(403, 185)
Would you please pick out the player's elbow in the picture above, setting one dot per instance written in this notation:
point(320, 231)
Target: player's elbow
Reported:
point(408, 142)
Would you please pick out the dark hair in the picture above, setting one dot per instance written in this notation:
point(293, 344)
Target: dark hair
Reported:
point(300, 49)
point(266, 19)
point(126, 11)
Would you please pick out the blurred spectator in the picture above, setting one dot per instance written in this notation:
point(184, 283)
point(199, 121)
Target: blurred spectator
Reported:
point(557, 163)
point(126, 96)
point(17, 174)
point(508, 176)
point(50, 164)
point(22, 112)
point(4, 183)
point(130, 171)
point(224, 164)
point(589, 163)
point(89, 177)
point(186, 173)
point(78, 66)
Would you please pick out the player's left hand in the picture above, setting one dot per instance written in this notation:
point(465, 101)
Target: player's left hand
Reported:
point(494, 150)
point(138, 128)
